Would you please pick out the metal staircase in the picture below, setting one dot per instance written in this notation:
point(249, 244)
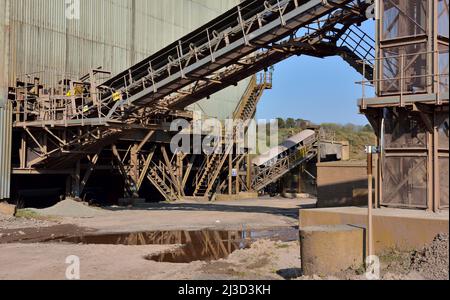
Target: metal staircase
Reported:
point(160, 180)
point(357, 48)
point(206, 179)
point(246, 110)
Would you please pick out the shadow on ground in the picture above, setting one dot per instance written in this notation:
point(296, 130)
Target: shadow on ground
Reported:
point(291, 273)
point(286, 212)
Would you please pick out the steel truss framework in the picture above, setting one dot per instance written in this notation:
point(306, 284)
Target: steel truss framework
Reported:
point(410, 111)
point(59, 129)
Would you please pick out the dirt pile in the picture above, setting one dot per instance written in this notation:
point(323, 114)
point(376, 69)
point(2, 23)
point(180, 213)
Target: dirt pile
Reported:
point(432, 261)
point(264, 260)
point(71, 209)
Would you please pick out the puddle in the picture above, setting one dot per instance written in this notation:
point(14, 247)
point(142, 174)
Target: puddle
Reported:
point(202, 245)
point(205, 245)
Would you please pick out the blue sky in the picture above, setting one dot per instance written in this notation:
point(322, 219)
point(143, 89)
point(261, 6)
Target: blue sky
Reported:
point(320, 90)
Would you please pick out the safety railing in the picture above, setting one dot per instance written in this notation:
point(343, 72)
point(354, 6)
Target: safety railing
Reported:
point(208, 45)
point(265, 175)
point(54, 108)
point(407, 74)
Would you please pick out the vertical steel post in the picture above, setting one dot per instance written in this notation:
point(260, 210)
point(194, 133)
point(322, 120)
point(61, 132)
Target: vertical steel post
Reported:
point(369, 151)
point(249, 173)
point(436, 170)
point(230, 174)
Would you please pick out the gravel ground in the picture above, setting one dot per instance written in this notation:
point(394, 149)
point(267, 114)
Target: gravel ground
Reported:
point(428, 263)
point(8, 222)
point(264, 260)
point(432, 261)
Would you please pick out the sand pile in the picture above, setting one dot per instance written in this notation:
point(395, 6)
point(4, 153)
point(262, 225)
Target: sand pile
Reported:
point(71, 209)
point(432, 261)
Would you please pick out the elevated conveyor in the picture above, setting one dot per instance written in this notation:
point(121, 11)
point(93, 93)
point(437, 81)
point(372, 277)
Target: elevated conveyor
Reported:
point(278, 161)
point(243, 41)
point(232, 47)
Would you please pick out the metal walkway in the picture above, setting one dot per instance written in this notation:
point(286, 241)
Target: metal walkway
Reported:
point(235, 45)
point(218, 54)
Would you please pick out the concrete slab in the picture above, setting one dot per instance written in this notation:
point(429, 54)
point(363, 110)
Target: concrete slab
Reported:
point(393, 228)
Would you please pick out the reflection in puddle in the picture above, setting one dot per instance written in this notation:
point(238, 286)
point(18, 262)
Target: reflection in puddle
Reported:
point(205, 245)
point(202, 245)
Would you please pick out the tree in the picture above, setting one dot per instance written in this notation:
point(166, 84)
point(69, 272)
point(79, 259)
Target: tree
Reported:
point(281, 123)
point(368, 128)
point(290, 123)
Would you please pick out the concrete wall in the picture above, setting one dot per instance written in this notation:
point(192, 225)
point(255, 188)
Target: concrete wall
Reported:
point(393, 228)
point(334, 150)
point(342, 184)
point(112, 34)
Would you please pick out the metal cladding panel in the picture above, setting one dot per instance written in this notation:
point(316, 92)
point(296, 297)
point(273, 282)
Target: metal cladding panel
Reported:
point(5, 151)
point(4, 55)
point(5, 110)
point(112, 34)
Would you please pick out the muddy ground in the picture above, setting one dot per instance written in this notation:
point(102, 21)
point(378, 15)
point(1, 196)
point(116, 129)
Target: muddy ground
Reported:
point(29, 250)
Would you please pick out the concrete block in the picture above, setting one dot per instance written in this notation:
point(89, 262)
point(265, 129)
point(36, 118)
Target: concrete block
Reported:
point(7, 209)
point(328, 250)
point(399, 229)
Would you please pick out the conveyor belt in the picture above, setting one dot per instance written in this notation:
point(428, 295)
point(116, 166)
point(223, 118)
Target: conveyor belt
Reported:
point(197, 58)
point(243, 41)
point(295, 151)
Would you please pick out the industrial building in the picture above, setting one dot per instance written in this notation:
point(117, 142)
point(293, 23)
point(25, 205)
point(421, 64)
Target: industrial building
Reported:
point(45, 44)
point(98, 99)
point(86, 103)
point(410, 111)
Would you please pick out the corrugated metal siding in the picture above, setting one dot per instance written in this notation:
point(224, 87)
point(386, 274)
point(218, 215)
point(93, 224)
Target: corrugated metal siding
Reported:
point(5, 151)
point(113, 34)
point(4, 57)
point(5, 112)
